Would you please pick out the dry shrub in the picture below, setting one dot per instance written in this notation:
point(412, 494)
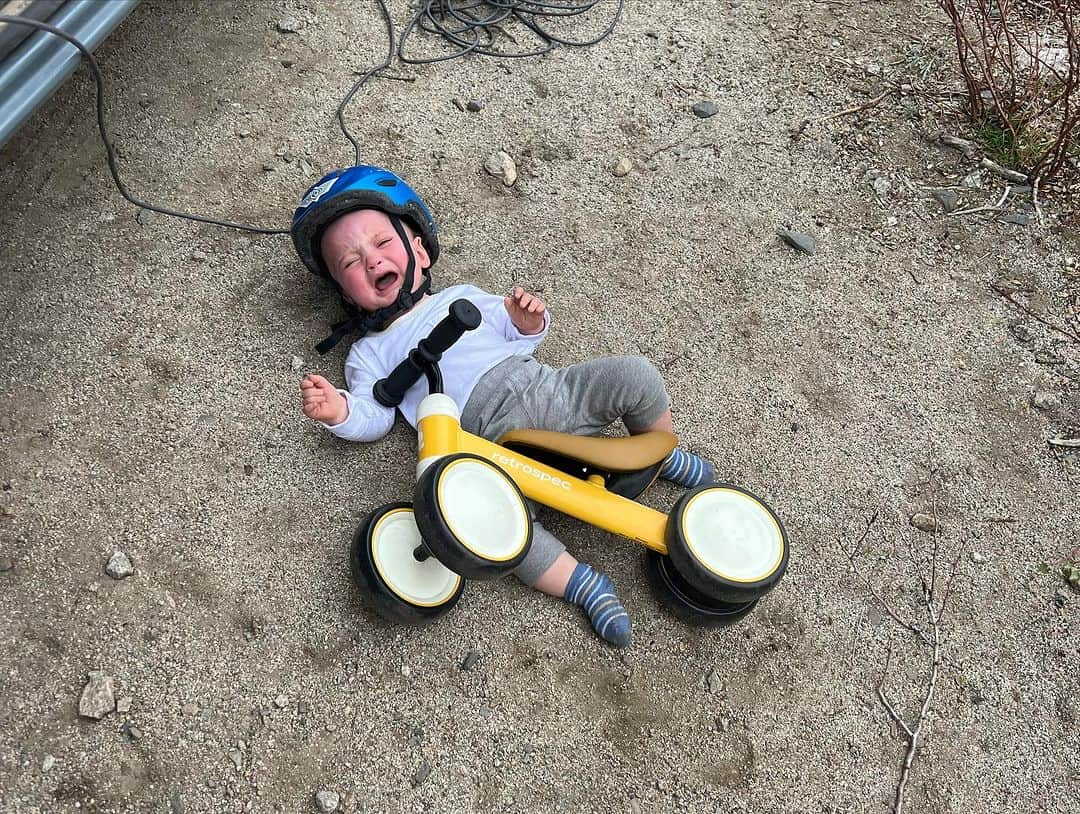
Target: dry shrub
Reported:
point(1020, 62)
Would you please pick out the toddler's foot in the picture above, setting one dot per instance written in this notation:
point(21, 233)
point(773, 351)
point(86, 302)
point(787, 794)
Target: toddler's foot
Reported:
point(687, 469)
point(595, 593)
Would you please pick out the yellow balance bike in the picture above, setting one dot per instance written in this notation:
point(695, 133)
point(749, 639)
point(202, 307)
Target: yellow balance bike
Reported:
point(709, 560)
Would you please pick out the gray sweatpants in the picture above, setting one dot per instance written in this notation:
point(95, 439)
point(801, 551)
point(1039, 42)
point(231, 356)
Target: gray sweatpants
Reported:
point(519, 393)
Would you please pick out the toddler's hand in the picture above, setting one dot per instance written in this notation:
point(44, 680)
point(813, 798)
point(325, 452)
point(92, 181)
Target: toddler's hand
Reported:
point(322, 401)
point(526, 311)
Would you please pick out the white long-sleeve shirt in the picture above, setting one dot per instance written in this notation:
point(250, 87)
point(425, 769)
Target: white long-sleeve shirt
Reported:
point(373, 357)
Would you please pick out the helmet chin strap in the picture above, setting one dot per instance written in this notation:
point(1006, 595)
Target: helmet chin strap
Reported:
point(363, 321)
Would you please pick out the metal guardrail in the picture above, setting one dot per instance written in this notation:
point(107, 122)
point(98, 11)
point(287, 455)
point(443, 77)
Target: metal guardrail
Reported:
point(30, 74)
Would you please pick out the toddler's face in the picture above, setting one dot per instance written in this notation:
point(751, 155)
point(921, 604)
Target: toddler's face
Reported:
point(367, 259)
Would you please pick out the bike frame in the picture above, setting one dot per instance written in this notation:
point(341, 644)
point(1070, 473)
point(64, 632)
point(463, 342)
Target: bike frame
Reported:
point(439, 433)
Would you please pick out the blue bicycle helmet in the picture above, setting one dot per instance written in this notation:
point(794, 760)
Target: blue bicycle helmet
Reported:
point(344, 191)
point(363, 187)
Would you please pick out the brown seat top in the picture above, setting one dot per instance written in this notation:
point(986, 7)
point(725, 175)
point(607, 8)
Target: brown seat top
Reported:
point(625, 454)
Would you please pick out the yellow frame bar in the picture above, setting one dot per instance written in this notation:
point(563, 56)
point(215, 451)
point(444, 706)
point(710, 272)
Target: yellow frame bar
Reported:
point(591, 503)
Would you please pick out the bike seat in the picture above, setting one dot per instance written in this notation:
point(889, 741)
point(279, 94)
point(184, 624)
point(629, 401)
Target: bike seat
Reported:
point(624, 454)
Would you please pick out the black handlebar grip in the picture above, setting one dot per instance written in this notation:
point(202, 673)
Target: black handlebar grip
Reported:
point(463, 316)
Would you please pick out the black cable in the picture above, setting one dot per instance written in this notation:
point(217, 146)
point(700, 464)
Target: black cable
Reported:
point(110, 154)
point(469, 25)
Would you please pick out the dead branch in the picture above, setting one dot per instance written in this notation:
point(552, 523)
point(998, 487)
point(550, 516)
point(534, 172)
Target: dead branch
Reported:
point(1033, 315)
point(857, 108)
point(934, 600)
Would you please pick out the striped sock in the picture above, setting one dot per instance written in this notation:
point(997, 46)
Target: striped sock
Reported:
point(596, 594)
point(687, 469)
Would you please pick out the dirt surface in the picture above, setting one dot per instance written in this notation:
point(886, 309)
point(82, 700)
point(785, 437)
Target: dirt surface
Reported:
point(150, 405)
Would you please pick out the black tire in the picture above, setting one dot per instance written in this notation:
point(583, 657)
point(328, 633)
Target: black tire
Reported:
point(472, 516)
point(727, 543)
point(391, 580)
point(684, 601)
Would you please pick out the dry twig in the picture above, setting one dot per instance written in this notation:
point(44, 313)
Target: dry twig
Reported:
point(935, 595)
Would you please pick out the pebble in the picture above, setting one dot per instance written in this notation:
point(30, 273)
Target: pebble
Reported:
point(97, 698)
point(6, 564)
point(119, 566)
point(198, 255)
point(474, 105)
point(797, 240)
point(405, 671)
point(713, 683)
point(973, 180)
point(297, 363)
point(289, 25)
point(924, 522)
point(635, 806)
point(704, 110)
point(501, 166)
point(471, 658)
point(48, 763)
point(978, 558)
point(1061, 597)
point(327, 801)
point(948, 199)
point(1016, 218)
point(132, 731)
point(1021, 332)
point(1045, 401)
point(145, 217)
point(421, 774)
point(281, 701)
point(882, 186)
point(237, 759)
point(123, 703)
point(622, 167)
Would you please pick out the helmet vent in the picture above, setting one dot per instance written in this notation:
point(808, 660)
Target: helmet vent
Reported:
point(387, 182)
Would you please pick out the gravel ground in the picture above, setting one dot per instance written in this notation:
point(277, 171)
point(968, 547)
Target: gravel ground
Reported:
point(150, 405)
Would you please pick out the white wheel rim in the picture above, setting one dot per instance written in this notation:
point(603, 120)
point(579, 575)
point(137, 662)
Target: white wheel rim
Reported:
point(732, 535)
point(482, 509)
point(393, 540)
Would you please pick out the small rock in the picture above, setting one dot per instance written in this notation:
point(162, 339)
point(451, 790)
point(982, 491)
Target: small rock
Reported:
point(474, 105)
point(421, 774)
point(198, 255)
point(622, 167)
point(470, 660)
point(97, 698)
point(501, 166)
point(973, 180)
point(327, 801)
point(281, 701)
point(48, 763)
point(704, 110)
point(289, 25)
point(297, 363)
point(1061, 597)
point(948, 199)
point(978, 558)
point(892, 221)
point(713, 683)
point(119, 566)
point(6, 564)
point(123, 704)
point(145, 217)
point(460, 105)
point(287, 63)
point(1015, 218)
point(924, 522)
point(723, 724)
point(635, 806)
point(405, 671)
point(1021, 331)
point(797, 240)
point(882, 186)
point(133, 732)
point(268, 168)
point(237, 759)
point(1045, 401)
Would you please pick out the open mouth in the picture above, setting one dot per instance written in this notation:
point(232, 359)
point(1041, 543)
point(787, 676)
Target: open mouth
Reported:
point(385, 281)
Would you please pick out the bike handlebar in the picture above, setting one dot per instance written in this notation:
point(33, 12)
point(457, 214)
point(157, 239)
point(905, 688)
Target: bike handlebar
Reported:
point(463, 316)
